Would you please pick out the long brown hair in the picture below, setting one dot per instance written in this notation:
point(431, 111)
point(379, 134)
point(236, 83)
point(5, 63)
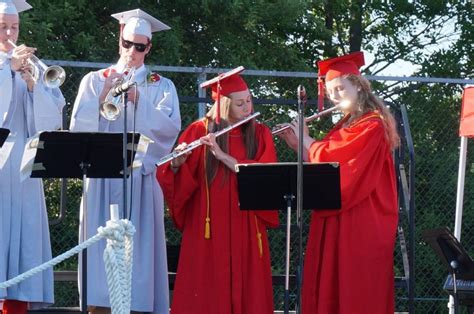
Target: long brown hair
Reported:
point(367, 101)
point(248, 131)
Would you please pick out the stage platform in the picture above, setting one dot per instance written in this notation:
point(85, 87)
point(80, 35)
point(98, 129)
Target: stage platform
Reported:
point(76, 311)
point(71, 276)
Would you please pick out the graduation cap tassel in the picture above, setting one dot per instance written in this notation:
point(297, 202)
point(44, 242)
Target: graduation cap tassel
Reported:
point(207, 226)
point(320, 94)
point(260, 245)
point(259, 238)
point(218, 115)
point(207, 231)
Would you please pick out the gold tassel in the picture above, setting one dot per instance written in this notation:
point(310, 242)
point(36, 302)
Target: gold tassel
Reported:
point(259, 238)
point(260, 245)
point(207, 229)
point(207, 232)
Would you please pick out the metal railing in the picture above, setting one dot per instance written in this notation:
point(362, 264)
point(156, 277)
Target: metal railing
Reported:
point(433, 127)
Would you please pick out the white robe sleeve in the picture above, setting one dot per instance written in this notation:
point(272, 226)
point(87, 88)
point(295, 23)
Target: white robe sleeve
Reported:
point(44, 108)
point(5, 91)
point(85, 114)
point(158, 118)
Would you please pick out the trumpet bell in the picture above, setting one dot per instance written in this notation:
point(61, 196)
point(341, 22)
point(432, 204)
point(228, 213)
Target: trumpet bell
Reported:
point(109, 111)
point(54, 76)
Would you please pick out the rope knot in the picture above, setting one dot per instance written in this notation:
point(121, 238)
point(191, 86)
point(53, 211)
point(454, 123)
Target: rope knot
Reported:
point(117, 230)
point(118, 259)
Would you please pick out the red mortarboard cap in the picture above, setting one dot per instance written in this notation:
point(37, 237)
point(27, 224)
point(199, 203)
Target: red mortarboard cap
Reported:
point(225, 84)
point(336, 67)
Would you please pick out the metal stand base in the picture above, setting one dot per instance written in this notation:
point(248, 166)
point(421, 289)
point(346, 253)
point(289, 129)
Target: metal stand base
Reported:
point(289, 199)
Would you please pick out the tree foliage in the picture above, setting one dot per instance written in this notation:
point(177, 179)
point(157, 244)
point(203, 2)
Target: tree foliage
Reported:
point(265, 34)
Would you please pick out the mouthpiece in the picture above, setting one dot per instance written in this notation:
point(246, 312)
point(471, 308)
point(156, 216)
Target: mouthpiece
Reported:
point(345, 104)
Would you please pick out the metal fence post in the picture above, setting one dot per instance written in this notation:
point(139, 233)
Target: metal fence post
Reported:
point(202, 77)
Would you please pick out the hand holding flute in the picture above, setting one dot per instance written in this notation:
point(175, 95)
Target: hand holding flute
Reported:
point(289, 133)
point(209, 140)
point(181, 158)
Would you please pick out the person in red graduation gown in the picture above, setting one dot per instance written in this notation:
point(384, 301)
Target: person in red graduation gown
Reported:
point(348, 265)
point(224, 263)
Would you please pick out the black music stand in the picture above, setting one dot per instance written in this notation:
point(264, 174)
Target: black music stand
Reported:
point(274, 186)
point(63, 154)
point(453, 256)
point(3, 135)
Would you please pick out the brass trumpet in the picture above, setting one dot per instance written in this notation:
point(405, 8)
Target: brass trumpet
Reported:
point(110, 108)
point(52, 76)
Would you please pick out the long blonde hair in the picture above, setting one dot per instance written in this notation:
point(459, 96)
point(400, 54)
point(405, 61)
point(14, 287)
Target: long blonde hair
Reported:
point(367, 101)
point(248, 131)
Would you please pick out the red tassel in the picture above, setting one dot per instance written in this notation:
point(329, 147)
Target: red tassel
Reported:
point(218, 115)
point(320, 94)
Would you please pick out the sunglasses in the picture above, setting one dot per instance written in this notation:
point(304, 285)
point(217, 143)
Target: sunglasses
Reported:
point(138, 47)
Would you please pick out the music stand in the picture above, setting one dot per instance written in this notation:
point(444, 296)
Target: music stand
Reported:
point(3, 135)
point(63, 154)
point(453, 256)
point(274, 186)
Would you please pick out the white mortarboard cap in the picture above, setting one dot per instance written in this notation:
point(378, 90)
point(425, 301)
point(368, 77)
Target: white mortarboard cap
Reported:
point(139, 22)
point(13, 6)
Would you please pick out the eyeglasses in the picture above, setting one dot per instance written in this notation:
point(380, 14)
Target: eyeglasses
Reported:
point(139, 47)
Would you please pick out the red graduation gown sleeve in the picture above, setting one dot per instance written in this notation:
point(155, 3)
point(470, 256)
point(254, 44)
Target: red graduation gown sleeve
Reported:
point(188, 179)
point(363, 153)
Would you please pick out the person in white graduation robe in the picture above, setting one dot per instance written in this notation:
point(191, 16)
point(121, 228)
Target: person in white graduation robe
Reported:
point(24, 233)
point(157, 116)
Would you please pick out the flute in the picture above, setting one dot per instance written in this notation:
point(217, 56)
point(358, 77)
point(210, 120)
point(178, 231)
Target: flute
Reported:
point(198, 142)
point(308, 119)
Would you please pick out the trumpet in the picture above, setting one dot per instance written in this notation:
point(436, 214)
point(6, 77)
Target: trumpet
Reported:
point(198, 142)
point(52, 76)
point(110, 108)
point(315, 116)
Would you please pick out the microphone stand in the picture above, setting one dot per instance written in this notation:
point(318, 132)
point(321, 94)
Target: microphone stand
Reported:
point(122, 89)
point(124, 153)
point(299, 188)
point(455, 266)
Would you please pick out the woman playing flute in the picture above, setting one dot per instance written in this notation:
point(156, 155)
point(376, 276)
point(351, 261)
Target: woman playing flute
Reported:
point(349, 256)
point(224, 263)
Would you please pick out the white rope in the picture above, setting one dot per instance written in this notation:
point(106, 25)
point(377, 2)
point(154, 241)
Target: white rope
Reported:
point(118, 258)
point(58, 259)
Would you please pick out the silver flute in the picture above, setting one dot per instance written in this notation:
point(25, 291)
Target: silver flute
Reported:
point(278, 130)
point(197, 143)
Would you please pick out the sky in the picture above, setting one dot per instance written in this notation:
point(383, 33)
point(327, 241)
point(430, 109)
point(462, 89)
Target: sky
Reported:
point(405, 68)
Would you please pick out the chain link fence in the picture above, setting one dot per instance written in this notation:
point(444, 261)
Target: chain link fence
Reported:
point(433, 109)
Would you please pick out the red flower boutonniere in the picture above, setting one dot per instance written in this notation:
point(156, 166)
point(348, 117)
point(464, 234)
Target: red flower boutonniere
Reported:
point(108, 71)
point(153, 77)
